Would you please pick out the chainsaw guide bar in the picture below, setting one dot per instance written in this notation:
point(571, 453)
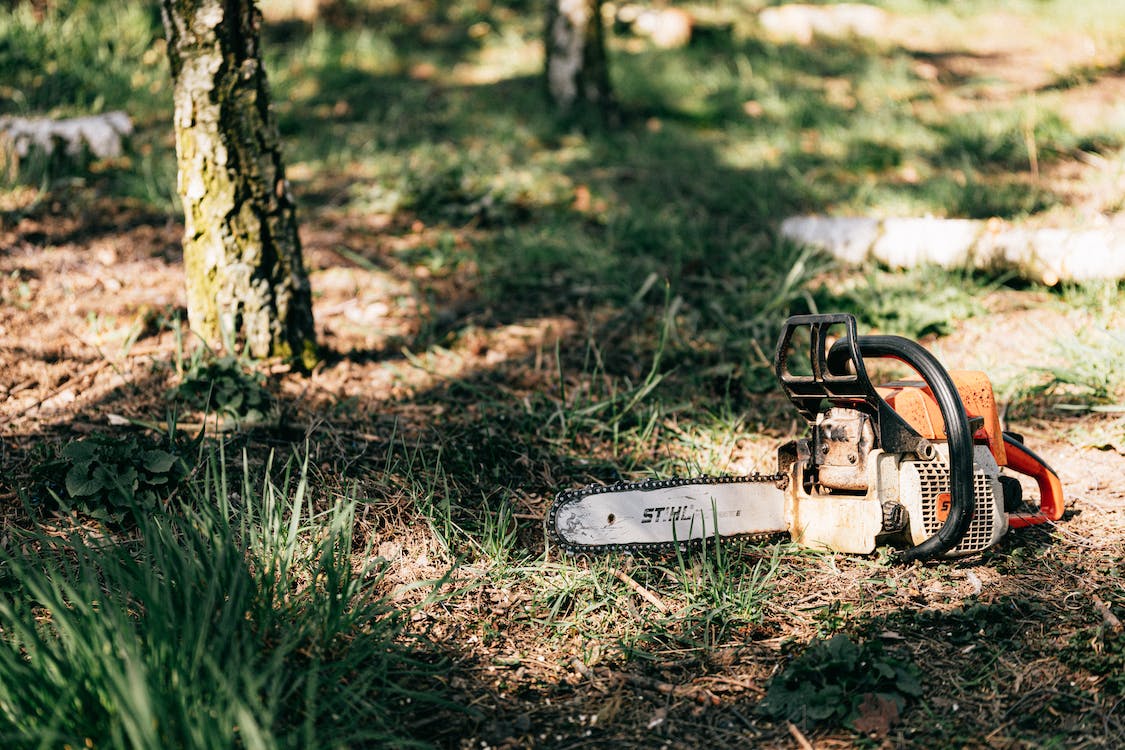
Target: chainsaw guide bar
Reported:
point(660, 515)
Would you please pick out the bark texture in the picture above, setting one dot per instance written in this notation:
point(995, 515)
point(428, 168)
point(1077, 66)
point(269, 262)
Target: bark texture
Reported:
point(246, 282)
point(577, 70)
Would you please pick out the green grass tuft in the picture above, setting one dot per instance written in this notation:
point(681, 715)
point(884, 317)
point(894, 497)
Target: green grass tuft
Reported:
point(1087, 372)
point(71, 57)
point(239, 619)
point(914, 303)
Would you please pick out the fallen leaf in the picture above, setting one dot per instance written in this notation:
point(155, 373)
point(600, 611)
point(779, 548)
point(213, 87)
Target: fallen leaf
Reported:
point(877, 714)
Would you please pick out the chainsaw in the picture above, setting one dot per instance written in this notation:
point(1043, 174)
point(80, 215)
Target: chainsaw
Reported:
point(921, 465)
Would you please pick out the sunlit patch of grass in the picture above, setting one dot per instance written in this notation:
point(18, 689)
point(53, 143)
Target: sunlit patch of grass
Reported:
point(69, 58)
point(1081, 372)
point(726, 589)
point(1014, 140)
point(917, 302)
point(843, 117)
point(1103, 300)
point(1087, 372)
point(695, 601)
point(377, 85)
point(584, 601)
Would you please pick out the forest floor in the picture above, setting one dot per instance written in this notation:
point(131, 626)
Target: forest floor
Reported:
point(462, 385)
point(1018, 645)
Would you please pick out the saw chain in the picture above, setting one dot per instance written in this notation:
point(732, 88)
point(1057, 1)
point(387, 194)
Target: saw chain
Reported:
point(569, 497)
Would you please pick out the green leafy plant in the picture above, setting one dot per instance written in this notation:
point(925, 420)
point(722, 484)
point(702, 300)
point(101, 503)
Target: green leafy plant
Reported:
point(108, 476)
point(833, 681)
point(223, 386)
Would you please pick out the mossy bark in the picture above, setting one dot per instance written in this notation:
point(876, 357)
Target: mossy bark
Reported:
point(247, 288)
point(577, 71)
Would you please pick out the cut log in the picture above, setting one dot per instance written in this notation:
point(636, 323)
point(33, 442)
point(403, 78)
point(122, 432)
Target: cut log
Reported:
point(102, 136)
point(1048, 255)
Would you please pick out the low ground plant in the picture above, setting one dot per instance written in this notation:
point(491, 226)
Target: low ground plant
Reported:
point(226, 387)
point(111, 476)
point(836, 681)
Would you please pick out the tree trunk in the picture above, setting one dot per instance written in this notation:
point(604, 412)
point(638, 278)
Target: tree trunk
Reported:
point(577, 71)
point(247, 288)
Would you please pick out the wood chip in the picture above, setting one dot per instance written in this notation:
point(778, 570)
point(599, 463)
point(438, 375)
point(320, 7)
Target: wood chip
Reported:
point(799, 736)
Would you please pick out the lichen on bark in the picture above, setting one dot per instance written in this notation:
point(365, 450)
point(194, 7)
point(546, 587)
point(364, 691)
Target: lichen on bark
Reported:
point(247, 288)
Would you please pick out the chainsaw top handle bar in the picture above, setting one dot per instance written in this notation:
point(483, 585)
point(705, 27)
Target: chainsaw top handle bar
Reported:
point(832, 379)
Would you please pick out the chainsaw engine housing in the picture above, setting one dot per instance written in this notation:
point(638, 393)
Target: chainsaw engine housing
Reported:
point(904, 500)
point(924, 492)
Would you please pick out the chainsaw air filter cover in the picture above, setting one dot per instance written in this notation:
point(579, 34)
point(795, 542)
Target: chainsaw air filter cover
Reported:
point(924, 491)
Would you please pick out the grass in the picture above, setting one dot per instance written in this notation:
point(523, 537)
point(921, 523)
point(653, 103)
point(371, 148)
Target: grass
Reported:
point(66, 59)
point(914, 303)
point(421, 154)
point(216, 623)
point(726, 591)
point(1082, 373)
point(1086, 373)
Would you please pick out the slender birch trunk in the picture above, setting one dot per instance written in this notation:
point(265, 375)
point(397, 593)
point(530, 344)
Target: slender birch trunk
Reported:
point(577, 71)
point(246, 283)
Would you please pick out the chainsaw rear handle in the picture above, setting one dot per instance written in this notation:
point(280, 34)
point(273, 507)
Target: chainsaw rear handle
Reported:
point(830, 379)
point(1024, 461)
point(957, 431)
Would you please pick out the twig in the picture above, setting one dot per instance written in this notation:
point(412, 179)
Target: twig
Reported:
point(647, 595)
point(745, 722)
point(20, 387)
point(369, 437)
point(144, 350)
point(82, 374)
point(743, 684)
point(691, 692)
point(798, 735)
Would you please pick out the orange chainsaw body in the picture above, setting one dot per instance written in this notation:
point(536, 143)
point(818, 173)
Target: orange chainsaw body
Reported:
point(915, 403)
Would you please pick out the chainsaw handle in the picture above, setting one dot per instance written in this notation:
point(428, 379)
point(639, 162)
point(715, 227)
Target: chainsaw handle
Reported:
point(1024, 461)
point(829, 378)
point(958, 433)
